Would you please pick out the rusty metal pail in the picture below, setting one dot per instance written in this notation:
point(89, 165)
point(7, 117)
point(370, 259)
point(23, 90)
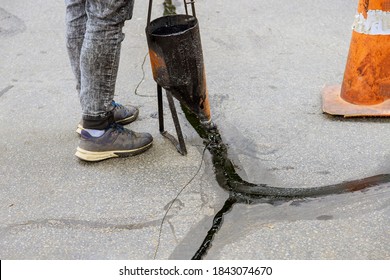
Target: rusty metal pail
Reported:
point(176, 58)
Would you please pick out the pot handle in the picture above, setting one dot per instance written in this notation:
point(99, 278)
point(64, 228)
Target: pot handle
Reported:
point(186, 3)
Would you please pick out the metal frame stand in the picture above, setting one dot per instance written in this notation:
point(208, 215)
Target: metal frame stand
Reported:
point(179, 142)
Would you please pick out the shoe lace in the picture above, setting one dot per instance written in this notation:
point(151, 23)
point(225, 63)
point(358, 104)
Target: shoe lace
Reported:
point(120, 129)
point(116, 105)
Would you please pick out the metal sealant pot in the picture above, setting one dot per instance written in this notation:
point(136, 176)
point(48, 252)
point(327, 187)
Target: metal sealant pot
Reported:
point(176, 58)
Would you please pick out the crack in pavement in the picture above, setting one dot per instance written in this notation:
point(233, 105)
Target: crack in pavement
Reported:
point(5, 90)
point(70, 223)
point(241, 191)
point(10, 24)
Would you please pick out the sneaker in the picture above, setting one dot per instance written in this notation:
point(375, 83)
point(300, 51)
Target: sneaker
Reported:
point(117, 141)
point(122, 115)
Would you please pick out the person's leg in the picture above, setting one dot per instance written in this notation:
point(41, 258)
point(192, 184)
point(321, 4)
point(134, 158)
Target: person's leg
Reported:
point(76, 19)
point(99, 59)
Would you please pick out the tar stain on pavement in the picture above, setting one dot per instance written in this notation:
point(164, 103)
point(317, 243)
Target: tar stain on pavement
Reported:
point(241, 191)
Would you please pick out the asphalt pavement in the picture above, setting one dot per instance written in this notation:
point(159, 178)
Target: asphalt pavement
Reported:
point(266, 65)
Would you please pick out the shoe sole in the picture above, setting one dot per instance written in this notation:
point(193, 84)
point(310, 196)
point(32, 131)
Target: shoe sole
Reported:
point(128, 120)
point(121, 122)
point(99, 156)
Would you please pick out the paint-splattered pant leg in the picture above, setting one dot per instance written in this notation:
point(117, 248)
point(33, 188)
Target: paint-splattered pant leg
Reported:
point(76, 22)
point(94, 37)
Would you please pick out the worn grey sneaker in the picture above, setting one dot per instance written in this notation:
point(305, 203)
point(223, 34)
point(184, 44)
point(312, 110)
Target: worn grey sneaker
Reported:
point(117, 141)
point(122, 115)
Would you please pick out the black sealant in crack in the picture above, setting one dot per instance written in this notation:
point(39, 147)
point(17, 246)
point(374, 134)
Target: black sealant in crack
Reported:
point(217, 224)
point(241, 191)
point(169, 8)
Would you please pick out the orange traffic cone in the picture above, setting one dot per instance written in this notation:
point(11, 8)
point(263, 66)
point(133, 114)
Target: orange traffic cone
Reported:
point(365, 90)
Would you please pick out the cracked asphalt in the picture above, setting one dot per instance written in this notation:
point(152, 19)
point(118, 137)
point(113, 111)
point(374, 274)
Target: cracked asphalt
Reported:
point(266, 64)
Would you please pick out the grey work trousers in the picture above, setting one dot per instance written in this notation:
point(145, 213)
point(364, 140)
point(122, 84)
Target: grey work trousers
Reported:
point(93, 39)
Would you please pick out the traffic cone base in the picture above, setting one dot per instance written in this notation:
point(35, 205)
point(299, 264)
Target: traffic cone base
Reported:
point(333, 104)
